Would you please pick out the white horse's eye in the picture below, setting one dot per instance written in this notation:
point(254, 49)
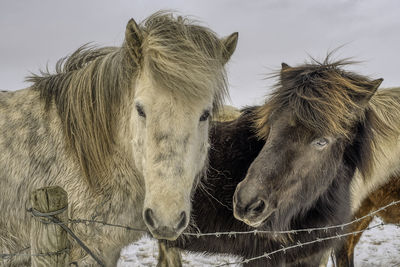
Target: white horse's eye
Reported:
point(320, 142)
point(205, 115)
point(140, 111)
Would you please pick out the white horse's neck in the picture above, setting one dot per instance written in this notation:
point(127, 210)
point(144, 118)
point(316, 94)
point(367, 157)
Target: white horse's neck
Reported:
point(386, 165)
point(386, 105)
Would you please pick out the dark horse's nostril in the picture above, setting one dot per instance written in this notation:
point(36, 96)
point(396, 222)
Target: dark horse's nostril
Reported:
point(256, 207)
point(149, 218)
point(182, 221)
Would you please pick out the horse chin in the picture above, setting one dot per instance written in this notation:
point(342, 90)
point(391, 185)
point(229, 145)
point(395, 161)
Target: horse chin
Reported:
point(255, 224)
point(273, 223)
point(165, 235)
point(265, 222)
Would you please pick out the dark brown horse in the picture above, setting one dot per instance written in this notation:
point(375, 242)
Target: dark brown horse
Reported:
point(323, 124)
point(320, 127)
point(234, 145)
point(385, 195)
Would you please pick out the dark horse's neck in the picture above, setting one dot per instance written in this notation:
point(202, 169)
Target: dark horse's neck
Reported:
point(234, 146)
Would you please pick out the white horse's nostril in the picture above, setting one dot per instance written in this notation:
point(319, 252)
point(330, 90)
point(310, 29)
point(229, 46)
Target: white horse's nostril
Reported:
point(182, 221)
point(149, 218)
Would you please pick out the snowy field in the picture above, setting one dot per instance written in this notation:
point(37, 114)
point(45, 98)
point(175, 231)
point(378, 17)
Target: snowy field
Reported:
point(377, 247)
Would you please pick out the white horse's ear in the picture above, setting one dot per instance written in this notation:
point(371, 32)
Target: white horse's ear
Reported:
point(374, 87)
point(134, 39)
point(229, 44)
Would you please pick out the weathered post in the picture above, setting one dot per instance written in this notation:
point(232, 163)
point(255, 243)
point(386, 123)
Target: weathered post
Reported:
point(49, 242)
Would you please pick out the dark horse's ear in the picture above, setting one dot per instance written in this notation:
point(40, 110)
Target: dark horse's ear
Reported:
point(284, 74)
point(285, 66)
point(134, 39)
point(229, 45)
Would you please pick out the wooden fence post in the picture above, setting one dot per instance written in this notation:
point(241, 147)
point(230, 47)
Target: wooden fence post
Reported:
point(49, 238)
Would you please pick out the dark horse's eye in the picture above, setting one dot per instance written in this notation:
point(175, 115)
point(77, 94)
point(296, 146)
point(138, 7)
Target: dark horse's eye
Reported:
point(140, 111)
point(320, 142)
point(205, 115)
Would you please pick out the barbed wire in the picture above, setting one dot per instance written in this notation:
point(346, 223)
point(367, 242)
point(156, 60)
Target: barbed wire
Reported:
point(234, 233)
point(299, 244)
point(7, 256)
point(55, 220)
point(11, 255)
point(73, 221)
point(309, 230)
point(198, 235)
point(87, 222)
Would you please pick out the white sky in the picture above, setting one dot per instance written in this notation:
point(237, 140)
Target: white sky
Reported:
point(36, 33)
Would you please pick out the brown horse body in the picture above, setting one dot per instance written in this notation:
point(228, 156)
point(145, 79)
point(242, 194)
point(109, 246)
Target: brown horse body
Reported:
point(385, 195)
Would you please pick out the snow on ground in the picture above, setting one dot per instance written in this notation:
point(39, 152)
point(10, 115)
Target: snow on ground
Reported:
point(377, 247)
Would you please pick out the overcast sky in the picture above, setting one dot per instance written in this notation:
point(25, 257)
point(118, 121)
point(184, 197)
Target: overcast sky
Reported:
point(36, 33)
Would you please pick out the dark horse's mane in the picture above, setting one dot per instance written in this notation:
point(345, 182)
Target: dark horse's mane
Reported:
point(327, 99)
point(237, 143)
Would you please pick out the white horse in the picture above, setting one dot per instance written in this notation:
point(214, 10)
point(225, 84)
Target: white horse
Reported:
point(124, 130)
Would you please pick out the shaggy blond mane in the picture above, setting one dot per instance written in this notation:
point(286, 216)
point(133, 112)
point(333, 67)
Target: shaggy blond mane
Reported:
point(183, 56)
point(385, 104)
point(92, 88)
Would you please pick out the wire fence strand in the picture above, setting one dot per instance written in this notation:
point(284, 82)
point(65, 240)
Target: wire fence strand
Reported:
point(54, 220)
point(309, 230)
point(267, 255)
point(19, 253)
point(87, 221)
